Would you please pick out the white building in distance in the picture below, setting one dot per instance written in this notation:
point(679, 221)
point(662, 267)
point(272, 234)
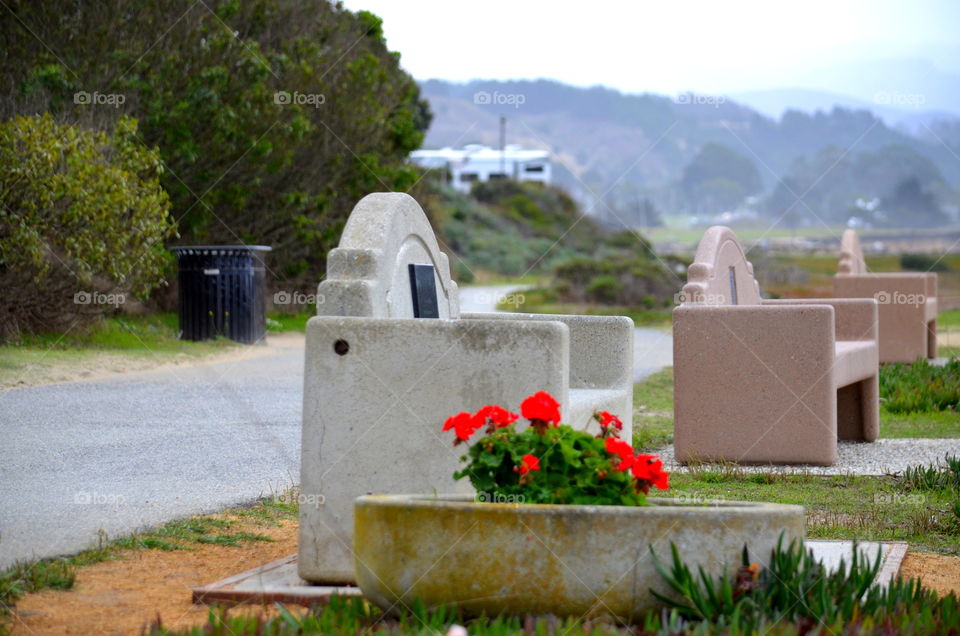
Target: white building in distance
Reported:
point(474, 162)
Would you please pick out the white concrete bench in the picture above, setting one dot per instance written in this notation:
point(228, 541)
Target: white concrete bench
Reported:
point(379, 383)
point(768, 381)
point(907, 303)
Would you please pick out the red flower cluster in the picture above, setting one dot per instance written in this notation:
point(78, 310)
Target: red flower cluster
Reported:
point(541, 406)
point(465, 424)
point(610, 425)
point(528, 463)
point(648, 469)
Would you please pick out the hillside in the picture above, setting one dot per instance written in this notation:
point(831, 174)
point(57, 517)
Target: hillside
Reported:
point(612, 145)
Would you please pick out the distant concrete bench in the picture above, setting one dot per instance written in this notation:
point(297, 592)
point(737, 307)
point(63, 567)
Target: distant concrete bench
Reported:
point(907, 303)
point(768, 381)
point(379, 382)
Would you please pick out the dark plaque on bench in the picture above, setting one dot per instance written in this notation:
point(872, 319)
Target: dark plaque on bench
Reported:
point(423, 288)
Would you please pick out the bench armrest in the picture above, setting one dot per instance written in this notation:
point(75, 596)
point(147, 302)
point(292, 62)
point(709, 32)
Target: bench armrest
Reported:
point(855, 318)
point(601, 347)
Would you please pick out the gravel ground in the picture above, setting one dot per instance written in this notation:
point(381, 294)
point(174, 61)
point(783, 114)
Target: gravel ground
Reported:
point(885, 456)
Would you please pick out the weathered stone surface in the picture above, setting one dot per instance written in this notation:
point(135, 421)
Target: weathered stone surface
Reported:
point(564, 560)
point(772, 381)
point(378, 383)
point(906, 302)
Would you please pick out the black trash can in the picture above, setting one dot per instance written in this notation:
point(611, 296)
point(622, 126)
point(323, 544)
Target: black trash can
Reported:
point(222, 292)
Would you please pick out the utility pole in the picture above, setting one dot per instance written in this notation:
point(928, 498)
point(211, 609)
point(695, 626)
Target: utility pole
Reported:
point(503, 145)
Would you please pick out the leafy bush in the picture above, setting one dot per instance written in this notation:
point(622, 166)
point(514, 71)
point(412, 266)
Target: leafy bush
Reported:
point(923, 263)
point(273, 117)
point(920, 387)
point(631, 280)
point(82, 222)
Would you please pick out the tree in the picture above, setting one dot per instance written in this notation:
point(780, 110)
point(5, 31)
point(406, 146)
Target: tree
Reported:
point(909, 205)
point(82, 222)
point(719, 178)
point(273, 117)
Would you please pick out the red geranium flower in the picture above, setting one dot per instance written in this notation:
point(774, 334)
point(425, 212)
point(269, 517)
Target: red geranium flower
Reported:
point(607, 419)
point(463, 424)
point(541, 406)
point(496, 416)
point(618, 447)
point(528, 463)
point(650, 468)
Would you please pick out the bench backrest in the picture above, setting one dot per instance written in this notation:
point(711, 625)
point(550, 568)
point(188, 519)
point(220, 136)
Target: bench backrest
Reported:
point(369, 273)
point(851, 256)
point(720, 273)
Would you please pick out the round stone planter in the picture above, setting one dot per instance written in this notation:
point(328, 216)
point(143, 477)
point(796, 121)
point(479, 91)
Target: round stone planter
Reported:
point(535, 558)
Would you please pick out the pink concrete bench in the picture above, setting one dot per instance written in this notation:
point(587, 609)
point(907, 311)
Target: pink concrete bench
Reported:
point(907, 303)
point(768, 381)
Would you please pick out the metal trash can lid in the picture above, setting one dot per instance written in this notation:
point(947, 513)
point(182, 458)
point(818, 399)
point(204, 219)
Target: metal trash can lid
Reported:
point(220, 248)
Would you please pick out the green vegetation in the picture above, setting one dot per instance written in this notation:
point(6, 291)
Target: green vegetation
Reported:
point(945, 476)
point(183, 534)
point(544, 301)
point(273, 118)
point(923, 263)
point(82, 220)
point(790, 594)
point(794, 590)
point(653, 411)
point(920, 387)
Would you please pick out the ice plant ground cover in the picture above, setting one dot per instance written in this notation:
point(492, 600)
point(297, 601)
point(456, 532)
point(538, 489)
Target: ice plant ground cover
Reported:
point(552, 463)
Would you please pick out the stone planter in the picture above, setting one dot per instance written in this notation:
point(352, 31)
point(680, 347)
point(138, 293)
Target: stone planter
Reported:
point(534, 558)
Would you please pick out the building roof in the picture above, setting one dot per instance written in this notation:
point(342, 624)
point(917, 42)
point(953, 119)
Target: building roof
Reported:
point(476, 152)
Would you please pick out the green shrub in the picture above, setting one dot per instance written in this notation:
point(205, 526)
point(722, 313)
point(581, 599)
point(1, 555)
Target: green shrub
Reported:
point(920, 387)
point(604, 289)
point(274, 117)
point(923, 263)
point(82, 222)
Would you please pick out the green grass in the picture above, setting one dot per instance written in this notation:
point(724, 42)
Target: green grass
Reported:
point(535, 303)
point(277, 322)
point(653, 411)
point(868, 508)
point(949, 319)
point(920, 387)
point(182, 534)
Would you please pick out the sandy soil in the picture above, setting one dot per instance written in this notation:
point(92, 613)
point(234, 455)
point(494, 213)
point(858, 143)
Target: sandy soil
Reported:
point(102, 365)
point(937, 572)
point(123, 596)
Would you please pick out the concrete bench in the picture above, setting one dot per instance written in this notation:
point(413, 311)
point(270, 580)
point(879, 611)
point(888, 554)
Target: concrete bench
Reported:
point(768, 381)
point(907, 303)
point(379, 382)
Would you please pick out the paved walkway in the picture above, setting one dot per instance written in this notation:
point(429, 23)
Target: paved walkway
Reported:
point(121, 454)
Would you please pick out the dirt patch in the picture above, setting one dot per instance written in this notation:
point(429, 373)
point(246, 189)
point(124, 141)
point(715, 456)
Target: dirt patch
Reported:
point(123, 596)
point(936, 571)
point(88, 366)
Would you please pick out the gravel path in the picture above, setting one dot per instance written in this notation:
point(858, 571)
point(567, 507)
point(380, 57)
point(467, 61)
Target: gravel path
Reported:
point(885, 456)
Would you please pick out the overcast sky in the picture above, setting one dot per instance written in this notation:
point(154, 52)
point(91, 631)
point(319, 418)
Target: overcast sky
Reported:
point(665, 46)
